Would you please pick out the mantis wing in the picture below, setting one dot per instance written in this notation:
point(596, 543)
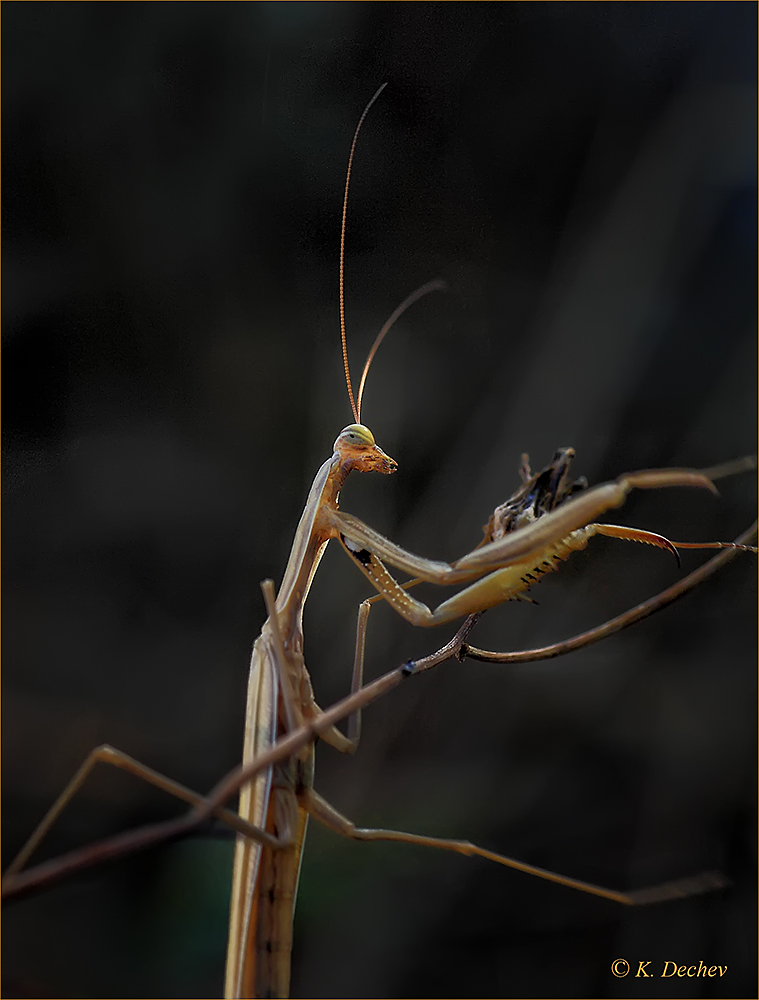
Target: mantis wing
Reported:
point(260, 733)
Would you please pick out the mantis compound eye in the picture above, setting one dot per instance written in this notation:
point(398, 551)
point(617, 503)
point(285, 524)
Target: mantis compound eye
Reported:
point(356, 434)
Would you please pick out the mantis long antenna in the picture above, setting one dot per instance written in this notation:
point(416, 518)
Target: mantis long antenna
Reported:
point(432, 286)
point(355, 409)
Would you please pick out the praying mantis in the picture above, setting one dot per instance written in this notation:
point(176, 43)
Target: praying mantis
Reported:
point(359, 541)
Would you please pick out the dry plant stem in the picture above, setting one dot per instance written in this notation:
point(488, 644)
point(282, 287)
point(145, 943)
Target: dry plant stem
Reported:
point(44, 874)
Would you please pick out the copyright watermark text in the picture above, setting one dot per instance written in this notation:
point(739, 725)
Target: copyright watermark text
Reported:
point(620, 968)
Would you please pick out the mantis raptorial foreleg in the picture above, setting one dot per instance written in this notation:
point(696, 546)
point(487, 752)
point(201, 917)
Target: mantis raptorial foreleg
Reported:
point(519, 546)
point(527, 537)
point(513, 563)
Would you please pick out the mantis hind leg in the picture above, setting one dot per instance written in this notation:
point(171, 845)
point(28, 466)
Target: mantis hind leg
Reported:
point(106, 754)
point(324, 813)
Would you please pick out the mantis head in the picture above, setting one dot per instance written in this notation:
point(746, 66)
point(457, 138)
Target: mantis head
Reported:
point(356, 448)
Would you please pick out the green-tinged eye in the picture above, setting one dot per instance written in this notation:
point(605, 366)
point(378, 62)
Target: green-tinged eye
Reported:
point(357, 434)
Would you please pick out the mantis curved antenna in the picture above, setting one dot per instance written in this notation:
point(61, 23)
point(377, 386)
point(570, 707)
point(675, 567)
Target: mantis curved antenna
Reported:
point(430, 286)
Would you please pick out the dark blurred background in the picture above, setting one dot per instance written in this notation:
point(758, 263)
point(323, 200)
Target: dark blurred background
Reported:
point(583, 177)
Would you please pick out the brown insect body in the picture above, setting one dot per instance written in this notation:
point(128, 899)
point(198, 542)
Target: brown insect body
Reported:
point(265, 876)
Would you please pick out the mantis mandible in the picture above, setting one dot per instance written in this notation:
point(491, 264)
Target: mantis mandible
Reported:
point(543, 525)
